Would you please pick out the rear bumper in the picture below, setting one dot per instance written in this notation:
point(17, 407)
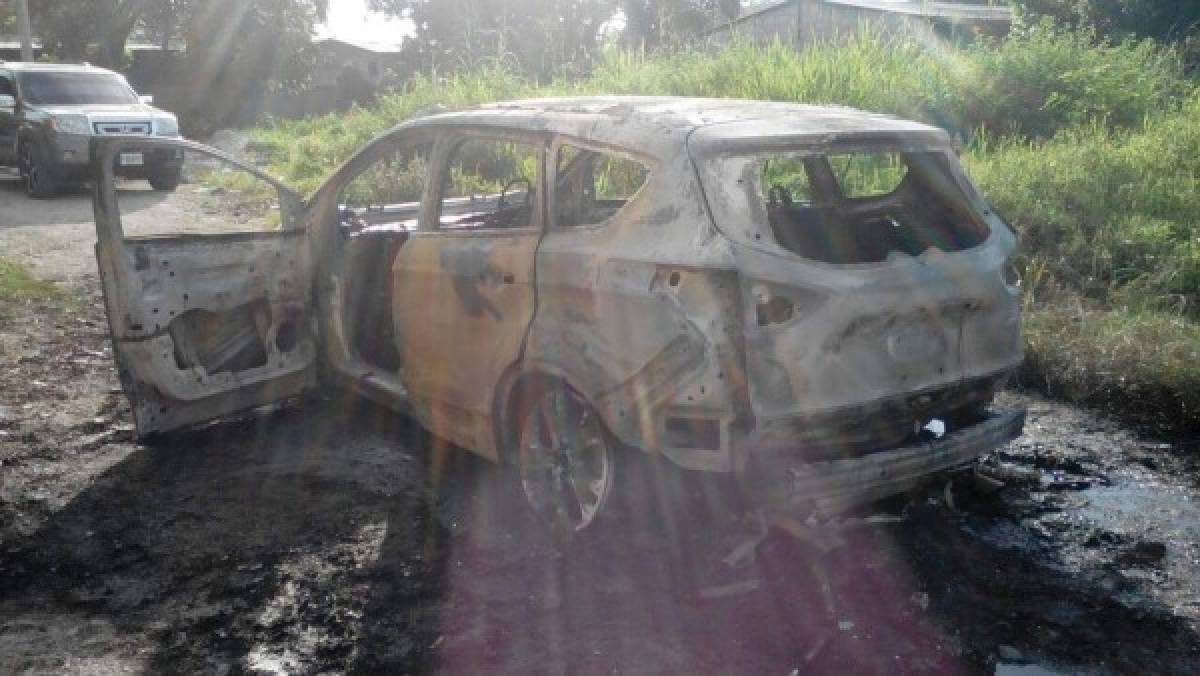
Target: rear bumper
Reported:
point(833, 486)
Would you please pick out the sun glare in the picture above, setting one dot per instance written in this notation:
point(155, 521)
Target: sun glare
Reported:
point(349, 19)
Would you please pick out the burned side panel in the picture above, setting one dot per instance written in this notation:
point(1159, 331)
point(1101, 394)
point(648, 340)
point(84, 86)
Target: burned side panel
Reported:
point(461, 307)
point(639, 314)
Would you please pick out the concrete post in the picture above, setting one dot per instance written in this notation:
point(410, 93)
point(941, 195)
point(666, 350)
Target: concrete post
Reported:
point(26, 31)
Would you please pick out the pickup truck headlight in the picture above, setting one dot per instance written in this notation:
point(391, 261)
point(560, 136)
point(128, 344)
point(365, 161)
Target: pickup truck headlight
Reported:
point(166, 126)
point(70, 124)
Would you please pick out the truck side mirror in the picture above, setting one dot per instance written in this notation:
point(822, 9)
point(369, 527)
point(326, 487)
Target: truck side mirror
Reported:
point(8, 102)
point(146, 100)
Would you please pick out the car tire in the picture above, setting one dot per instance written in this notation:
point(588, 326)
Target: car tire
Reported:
point(40, 182)
point(567, 462)
point(166, 180)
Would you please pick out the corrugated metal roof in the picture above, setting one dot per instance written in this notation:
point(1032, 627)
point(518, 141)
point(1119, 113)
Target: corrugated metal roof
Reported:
point(376, 47)
point(948, 10)
point(926, 8)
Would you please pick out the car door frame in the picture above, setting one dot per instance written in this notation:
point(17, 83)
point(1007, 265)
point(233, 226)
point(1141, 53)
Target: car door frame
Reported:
point(473, 425)
point(340, 357)
point(163, 395)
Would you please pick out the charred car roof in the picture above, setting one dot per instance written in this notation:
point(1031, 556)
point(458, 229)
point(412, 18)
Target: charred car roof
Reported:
point(658, 125)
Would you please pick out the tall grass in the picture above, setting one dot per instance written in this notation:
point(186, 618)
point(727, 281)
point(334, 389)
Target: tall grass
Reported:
point(992, 87)
point(1110, 214)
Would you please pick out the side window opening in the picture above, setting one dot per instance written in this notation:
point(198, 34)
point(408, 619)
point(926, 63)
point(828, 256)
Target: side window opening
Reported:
point(866, 207)
point(6, 86)
point(592, 186)
point(490, 184)
point(387, 194)
point(867, 174)
point(170, 192)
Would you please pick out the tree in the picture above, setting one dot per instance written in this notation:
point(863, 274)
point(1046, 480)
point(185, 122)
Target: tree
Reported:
point(651, 23)
point(542, 37)
point(240, 50)
point(1166, 20)
point(236, 50)
point(95, 30)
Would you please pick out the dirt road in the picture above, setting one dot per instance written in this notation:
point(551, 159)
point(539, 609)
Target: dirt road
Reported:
point(315, 539)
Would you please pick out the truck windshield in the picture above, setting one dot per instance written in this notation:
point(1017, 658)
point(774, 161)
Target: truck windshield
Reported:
point(65, 89)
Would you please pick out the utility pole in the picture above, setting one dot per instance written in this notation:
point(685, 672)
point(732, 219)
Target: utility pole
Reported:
point(26, 31)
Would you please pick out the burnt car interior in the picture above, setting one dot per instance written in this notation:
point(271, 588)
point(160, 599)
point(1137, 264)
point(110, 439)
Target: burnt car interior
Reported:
point(592, 186)
point(489, 185)
point(867, 207)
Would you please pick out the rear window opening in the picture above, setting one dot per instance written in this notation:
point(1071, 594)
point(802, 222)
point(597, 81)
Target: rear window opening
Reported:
point(866, 207)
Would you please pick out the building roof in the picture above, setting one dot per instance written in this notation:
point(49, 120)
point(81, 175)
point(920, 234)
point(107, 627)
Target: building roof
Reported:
point(659, 126)
point(962, 11)
point(364, 45)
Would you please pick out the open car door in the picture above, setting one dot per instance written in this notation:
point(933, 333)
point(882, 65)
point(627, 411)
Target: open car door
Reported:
point(208, 286)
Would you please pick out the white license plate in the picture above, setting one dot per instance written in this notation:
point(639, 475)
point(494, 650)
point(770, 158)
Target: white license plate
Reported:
point(132, 160)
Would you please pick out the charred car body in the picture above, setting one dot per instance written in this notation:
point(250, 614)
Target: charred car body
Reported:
point(792, 295)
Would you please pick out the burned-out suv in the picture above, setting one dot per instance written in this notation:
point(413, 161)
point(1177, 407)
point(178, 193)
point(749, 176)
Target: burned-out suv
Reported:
point(50, 112)
point(813, 301)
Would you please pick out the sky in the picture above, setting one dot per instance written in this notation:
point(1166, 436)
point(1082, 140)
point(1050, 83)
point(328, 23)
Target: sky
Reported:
point(349, 20)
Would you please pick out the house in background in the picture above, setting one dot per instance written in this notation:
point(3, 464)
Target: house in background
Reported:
point(802, 23)
point(371, 62)
point(154, 67)
point(345, 73)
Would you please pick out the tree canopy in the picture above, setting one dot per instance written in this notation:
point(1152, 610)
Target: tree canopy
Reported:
point(1166, 20)
point(539, 36)
point(545, 37)
point(650, 23)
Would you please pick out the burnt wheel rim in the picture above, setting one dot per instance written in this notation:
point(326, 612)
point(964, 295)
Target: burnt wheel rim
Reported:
point(566, 461)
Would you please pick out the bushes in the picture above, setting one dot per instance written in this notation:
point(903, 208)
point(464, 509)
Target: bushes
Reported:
point(996, 87)
point(1042, 79)
point(1111, 253)
point(1105, 211)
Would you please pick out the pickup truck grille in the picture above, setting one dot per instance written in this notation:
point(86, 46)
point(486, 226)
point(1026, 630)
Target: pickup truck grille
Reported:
point(105, 128)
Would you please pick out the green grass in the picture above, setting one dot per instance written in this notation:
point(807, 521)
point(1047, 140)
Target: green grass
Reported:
point(1109, 220)
point(994, 88)
point(1091, 150)
point(17, 284)
point(1140, 366)
point(1108, 214)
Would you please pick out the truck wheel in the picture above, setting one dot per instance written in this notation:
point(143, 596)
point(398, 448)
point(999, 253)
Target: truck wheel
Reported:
point(566, 458)
point(39, 182)
point(165, 180)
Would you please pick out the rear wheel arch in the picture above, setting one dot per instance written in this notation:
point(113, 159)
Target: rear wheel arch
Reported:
point(516, 379)
point(566, 477)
